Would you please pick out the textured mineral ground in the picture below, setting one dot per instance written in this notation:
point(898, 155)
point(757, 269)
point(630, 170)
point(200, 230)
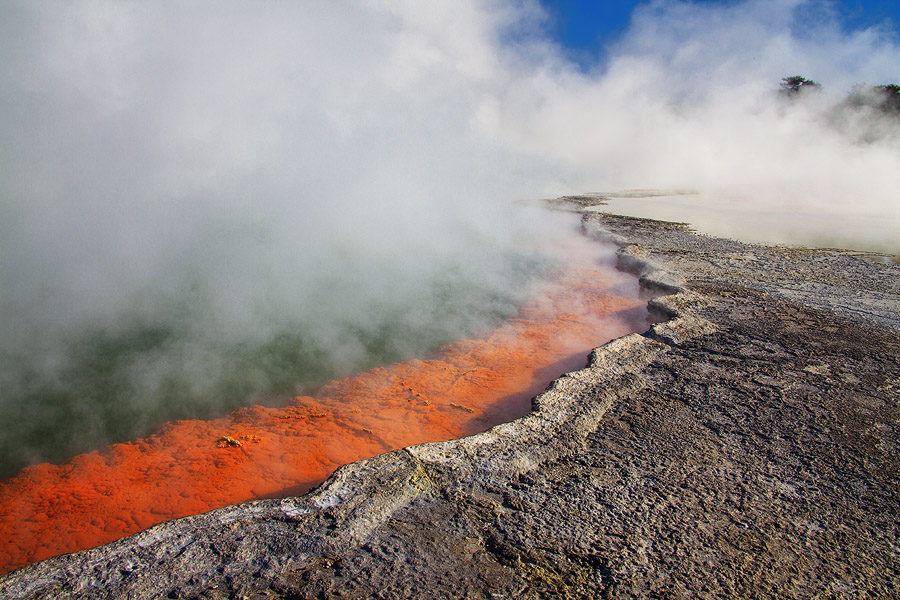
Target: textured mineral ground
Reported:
point(748, 446)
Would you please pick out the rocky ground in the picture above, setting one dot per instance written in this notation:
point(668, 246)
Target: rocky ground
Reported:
point(748, 446)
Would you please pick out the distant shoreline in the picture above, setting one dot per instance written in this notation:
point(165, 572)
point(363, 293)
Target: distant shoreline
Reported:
point(753, 224)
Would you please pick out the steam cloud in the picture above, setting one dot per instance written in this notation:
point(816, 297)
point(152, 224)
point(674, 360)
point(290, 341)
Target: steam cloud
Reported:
point(191, 190)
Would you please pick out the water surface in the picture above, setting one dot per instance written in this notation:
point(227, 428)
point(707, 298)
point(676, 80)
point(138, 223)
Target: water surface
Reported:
point(759, 221)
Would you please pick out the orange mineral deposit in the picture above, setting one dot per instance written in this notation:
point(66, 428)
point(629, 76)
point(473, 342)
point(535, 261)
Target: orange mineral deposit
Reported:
point(188, 467)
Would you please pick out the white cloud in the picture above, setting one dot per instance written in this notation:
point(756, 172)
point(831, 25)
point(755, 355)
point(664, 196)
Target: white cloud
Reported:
point(685, 100)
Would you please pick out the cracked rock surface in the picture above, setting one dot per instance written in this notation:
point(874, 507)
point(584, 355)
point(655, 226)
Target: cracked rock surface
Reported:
point(746, 447)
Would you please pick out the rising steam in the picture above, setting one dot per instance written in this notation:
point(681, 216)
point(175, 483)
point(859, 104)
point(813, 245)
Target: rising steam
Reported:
point(206, 201)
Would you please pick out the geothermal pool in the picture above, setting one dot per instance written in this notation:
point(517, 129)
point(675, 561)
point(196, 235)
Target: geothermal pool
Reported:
point(192, 466)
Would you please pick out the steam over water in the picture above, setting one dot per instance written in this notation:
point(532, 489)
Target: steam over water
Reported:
point(193, 466)
point(209, 204)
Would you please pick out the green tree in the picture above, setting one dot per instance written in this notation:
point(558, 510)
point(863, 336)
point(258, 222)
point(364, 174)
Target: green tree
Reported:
point(883, 98)
point(890, 98)
point(796, 84)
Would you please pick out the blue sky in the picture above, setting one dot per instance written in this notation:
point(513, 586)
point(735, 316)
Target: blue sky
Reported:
point(584, 27)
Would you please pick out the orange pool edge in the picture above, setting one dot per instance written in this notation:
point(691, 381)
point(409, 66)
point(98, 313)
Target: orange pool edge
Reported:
point(193, 466)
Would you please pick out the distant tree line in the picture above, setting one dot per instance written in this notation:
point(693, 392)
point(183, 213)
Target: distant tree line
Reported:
point(867, 114)
point(884, 98)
